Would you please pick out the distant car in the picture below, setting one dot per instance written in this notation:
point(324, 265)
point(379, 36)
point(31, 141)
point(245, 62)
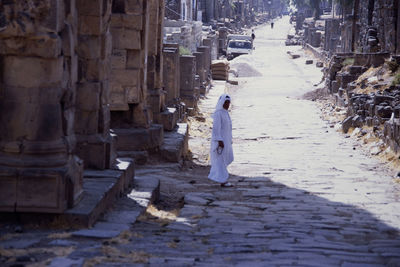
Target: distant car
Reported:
point(238, 47)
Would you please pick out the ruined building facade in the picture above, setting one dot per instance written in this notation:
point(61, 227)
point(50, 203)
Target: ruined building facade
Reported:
point(83, 90)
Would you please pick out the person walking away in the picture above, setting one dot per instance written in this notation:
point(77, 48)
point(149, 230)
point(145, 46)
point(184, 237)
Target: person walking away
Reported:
point(272, 25)
point(221, 152)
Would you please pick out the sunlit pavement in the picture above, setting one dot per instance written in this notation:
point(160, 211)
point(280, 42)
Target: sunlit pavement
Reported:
point(304, 195)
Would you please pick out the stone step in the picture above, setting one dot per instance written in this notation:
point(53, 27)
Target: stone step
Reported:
point(101, 189)
point(169, 118)
point(140, 157)
point(145, 191)
point(175, 145)
point(139, 139)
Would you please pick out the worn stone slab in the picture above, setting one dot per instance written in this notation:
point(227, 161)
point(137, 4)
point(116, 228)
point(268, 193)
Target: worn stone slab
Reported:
point(19, 244)
point(125, 216)
point(99, 194)
point(66, 262)
point(63, 243)
point(109, 225)
point(96, 233)
point(175, 144)
point(139, 138)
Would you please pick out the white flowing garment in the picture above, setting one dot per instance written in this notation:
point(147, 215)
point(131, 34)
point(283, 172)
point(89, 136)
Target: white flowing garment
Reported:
point(222, 131)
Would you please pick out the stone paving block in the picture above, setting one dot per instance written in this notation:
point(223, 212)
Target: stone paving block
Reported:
point(94, 233)
point(125, 216)
point(63, 243)
point(18, 244)
point(195, 200)
point(66, 262)
point(109, 225)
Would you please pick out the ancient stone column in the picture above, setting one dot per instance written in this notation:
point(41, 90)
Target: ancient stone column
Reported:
point(187, 80)
point(130, 29)
point(171, 73)
point(131, 116)
point(92, 123)
point(38, 68)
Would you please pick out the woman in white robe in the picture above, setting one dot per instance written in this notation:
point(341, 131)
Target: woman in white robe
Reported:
point(221, 152)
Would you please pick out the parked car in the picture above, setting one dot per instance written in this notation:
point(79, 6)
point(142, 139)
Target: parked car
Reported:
point(238, 47)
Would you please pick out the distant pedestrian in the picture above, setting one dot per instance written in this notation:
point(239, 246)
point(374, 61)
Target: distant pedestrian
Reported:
point(253, 35)
point(221, 152)
point(272, 25)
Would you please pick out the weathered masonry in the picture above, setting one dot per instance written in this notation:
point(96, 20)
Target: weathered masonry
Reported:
point(83, 90)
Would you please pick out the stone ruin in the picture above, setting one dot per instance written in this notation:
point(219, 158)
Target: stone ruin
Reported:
point(84, 87)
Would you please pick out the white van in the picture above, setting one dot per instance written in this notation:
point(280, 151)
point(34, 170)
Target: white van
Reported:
point(238, 47)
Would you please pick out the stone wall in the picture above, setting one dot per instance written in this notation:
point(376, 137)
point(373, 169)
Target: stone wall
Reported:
point(378, 26)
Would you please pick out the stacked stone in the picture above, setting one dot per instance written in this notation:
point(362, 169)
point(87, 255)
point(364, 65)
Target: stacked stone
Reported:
point(38, 169)
point(92, 128)
point(187, 80)
point(129, 28)
point(171, 75)
point(156, 96)
point(332, 34)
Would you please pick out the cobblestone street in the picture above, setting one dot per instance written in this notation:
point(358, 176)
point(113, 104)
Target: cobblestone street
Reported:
point(303, 195)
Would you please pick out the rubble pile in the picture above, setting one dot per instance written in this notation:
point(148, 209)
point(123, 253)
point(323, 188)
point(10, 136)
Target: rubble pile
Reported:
point(293, 40)
point(220, 69)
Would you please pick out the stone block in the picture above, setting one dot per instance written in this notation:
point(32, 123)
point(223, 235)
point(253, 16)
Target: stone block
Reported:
point(126, 38)
point(128, 21)
point(93, 70)
point(134, 6)
point(90, 25)
point(139, 138)
point(88, 96)
point(119, 59)
point(107, 45)
point(47, 46)
point(41, 190)
point(90, 8)
point(127, 166)
point(134, 59)
point(8, 189)
point(32, 71)
point(133, 94)
point(118, 98)
point(175, 143)
point(104, 120)
point(187, 73)
point(90, 46)
point(126, 77)
point(347, 124)
point(95, 155)
point(140, 157)
point(169, 118)
point(86, 122)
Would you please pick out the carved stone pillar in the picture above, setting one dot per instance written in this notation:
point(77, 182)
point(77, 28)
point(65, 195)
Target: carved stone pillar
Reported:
point(130, 29)
point(38, 169)
point(92, 123)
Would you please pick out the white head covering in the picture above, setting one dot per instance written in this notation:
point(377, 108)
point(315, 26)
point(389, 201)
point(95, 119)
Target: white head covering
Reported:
point(221, 101)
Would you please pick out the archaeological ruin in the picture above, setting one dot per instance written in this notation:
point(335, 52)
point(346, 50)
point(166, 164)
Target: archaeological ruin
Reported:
point(88, 89)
